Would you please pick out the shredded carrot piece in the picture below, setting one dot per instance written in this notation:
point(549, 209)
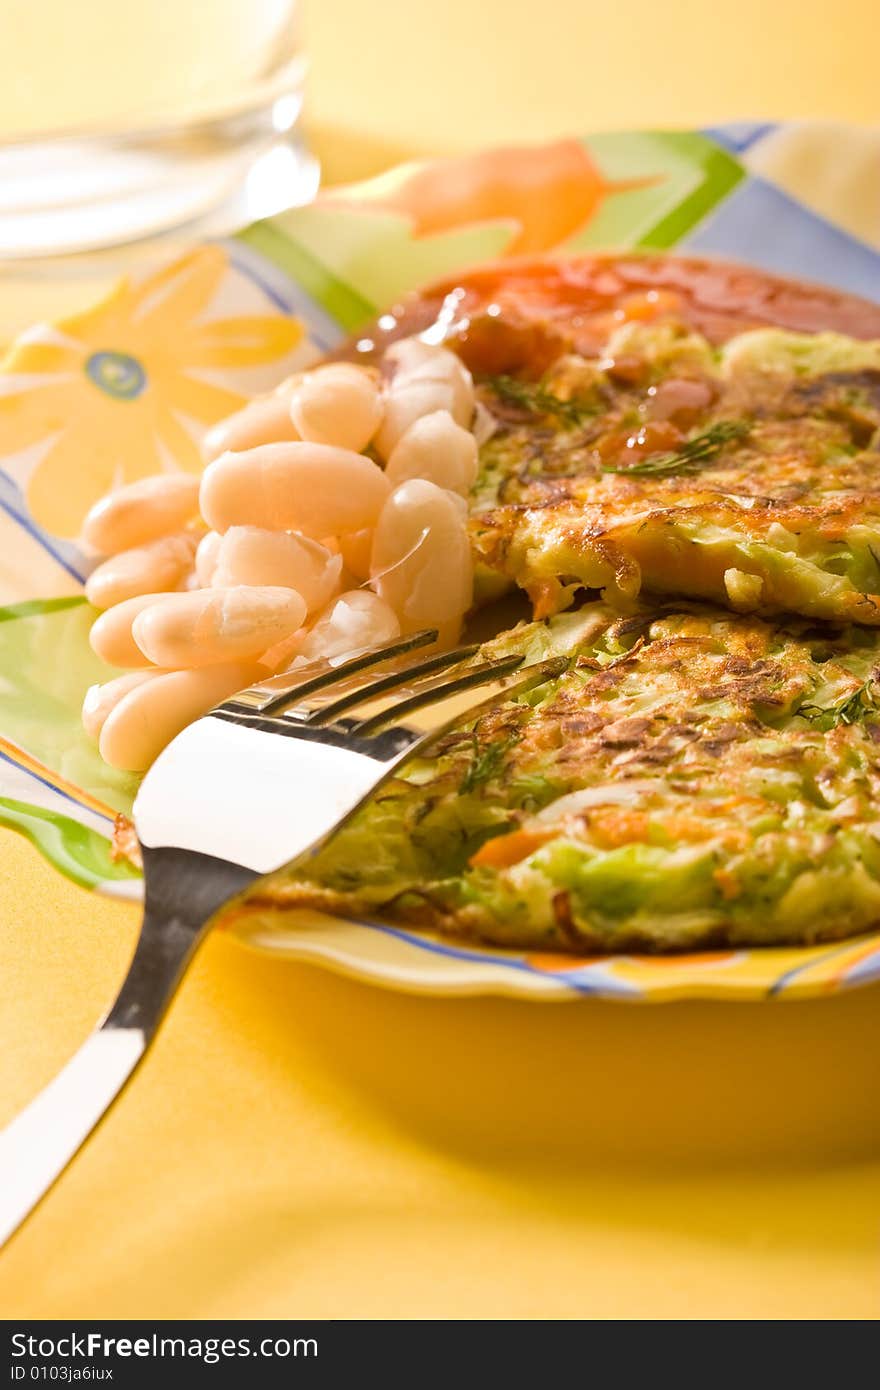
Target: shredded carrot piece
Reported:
point(508, 849)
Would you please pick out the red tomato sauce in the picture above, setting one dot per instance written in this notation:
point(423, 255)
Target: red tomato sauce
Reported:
point(521, 314)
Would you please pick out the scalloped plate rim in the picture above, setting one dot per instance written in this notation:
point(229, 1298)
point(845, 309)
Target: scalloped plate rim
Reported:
point(515, 978)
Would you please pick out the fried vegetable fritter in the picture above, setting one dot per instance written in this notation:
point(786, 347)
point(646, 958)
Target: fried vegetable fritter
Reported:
point(694, 778)
point(747, 474)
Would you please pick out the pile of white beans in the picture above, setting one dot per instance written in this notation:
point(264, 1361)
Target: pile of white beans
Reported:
point(294, 544)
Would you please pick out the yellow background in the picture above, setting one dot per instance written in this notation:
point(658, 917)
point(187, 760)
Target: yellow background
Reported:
point(396, 77)
point(297, 1144)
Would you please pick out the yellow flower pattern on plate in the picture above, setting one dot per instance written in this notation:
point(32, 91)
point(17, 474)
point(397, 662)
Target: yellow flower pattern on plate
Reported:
point(105, 396)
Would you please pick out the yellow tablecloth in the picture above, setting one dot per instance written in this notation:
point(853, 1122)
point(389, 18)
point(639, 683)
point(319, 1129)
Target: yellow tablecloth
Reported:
point(301, 1145)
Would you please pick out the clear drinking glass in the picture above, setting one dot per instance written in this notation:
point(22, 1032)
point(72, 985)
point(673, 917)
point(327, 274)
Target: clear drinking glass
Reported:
point(122, 119)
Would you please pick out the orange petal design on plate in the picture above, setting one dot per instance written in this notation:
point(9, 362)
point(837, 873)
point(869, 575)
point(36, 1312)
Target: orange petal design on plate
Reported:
point(549, 192)
point(848, 961)
point(557, 963)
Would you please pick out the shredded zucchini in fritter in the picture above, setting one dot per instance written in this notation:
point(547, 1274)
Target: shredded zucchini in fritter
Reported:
point(693, 778)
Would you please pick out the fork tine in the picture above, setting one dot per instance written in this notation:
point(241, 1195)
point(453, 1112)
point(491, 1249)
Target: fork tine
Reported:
point(266, 696)
point(393, 743)
point(439, 694)
point(329, 704)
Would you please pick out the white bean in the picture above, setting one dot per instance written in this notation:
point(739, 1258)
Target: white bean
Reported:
point(352, 622)
point(413, 360)
point(408, 402)
point(408, 354)
point(448, 633)
point(438, 449)
point(158, 567)
point(101, 699)
point(111, 638)
point(338, 404)
point(206, 557)
point(141, 512)
point(148, 717)
point(214, 625)
point(421, 562)
point(439, 364)
point(459, 503)
point(252, 555)
point(265, 420)
point(355, 549)
point(314, 488)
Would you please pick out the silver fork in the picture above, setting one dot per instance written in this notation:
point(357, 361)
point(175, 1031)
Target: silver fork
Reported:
point(261, 782)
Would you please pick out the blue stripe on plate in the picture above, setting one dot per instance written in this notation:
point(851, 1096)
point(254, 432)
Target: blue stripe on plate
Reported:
point(439, 948)
point(59, 791)
point(864, 970)
point(760, 225)
point(66, 555)
point(285, 294)
point(739, 135)
point(783, 981)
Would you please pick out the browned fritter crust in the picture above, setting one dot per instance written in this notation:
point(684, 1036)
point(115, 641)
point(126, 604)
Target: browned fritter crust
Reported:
point(479, 928)
point(573, 499)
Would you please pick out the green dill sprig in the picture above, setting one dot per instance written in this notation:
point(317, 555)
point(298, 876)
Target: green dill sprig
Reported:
point(692, 456)
point(853, 709)
point(535, 398)
point(486, 763)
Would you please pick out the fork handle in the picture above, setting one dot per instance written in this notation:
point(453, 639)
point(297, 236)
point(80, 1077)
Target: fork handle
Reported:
point(36, 1147)
point(38, 1144)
